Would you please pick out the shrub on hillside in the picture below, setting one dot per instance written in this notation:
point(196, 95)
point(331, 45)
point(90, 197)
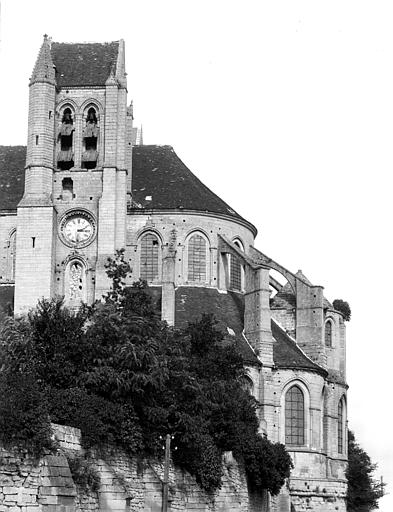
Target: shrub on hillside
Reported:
point(24, 418)
point(125, 378)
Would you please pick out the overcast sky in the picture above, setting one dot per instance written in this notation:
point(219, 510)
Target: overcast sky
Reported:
point(283, 108)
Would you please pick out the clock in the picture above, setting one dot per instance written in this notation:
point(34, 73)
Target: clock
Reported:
point(77, 228)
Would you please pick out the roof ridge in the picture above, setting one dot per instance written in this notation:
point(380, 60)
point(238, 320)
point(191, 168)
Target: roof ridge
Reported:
point(84, 42)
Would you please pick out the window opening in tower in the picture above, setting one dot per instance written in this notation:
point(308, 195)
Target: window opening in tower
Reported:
point(90, 141)
point(65, 155)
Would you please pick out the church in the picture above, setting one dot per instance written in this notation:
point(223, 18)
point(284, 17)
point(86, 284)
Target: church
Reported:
point(86, 186)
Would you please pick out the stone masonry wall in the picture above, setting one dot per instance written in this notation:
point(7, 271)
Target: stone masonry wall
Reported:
point(128, 485)
point(28, 485)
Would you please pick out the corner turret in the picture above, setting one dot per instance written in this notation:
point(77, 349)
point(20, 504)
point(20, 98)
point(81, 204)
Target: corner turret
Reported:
point(34, 274)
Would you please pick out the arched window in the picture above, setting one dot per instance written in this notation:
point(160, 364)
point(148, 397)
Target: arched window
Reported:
point(247, 384)
point(11, 256)
point(65, 155)
point(197, 258)
point(294, 417)
point(340, 426)
point(236, 270)
point(324, 425)
point(149, 257)
point(90, 140)
point(328, 333)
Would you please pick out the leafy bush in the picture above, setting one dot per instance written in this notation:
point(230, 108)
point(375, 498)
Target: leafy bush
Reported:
point(24, 419)
point(267, 464)
point(102, 422)
point(125, 378)
point(343, 307)
point(363, 490)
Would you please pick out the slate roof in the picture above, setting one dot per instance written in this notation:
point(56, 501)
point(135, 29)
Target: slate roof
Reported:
point(287, 354)
point(157, 172)
point(84, 64)
point(160, 174)
point(228, 309)
point(12, 164)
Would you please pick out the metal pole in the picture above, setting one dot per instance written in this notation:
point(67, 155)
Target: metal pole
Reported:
point(166, 473)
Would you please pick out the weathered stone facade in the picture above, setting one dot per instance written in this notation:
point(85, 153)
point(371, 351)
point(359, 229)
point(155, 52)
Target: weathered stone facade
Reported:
point(125, 485)
point(89, 190)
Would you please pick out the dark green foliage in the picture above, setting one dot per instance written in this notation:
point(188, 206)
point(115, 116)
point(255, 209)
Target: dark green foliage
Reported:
point(84, 473)
point(117, 270)
point(267, 464)
point(363, 490)
point(50, 344)
point(24, 419)
point(126, 379)
point(343, 307)
point(101, 421)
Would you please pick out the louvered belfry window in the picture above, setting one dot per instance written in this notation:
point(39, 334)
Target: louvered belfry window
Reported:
point(197, 258)
point(149, 258)
point(340, 427)
point(294, 417)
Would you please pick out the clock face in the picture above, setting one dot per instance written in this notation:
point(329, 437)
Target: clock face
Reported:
point(77, 229)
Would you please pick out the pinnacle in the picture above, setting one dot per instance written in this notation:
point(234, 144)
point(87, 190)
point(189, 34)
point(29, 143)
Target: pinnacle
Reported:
point(44, 70)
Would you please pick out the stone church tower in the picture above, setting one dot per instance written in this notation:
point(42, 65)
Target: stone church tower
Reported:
point(78, 170)
point(91, 187)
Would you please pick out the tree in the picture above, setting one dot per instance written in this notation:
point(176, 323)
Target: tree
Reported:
point(125, 378)
point(363, 490)
point(343, 307)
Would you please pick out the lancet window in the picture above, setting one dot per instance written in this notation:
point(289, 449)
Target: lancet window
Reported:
point(328, 333)
point(236, 270)
point(294, 417)
point(65, 155)
point(197, 258)
point(90, 140)
point(149, 256)
point(340, 426)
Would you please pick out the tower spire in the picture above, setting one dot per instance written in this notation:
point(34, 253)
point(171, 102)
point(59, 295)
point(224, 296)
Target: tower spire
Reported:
point(44, 70)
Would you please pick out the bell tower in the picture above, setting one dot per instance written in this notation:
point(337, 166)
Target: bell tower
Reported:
point(36, 213)
point(72, 216)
